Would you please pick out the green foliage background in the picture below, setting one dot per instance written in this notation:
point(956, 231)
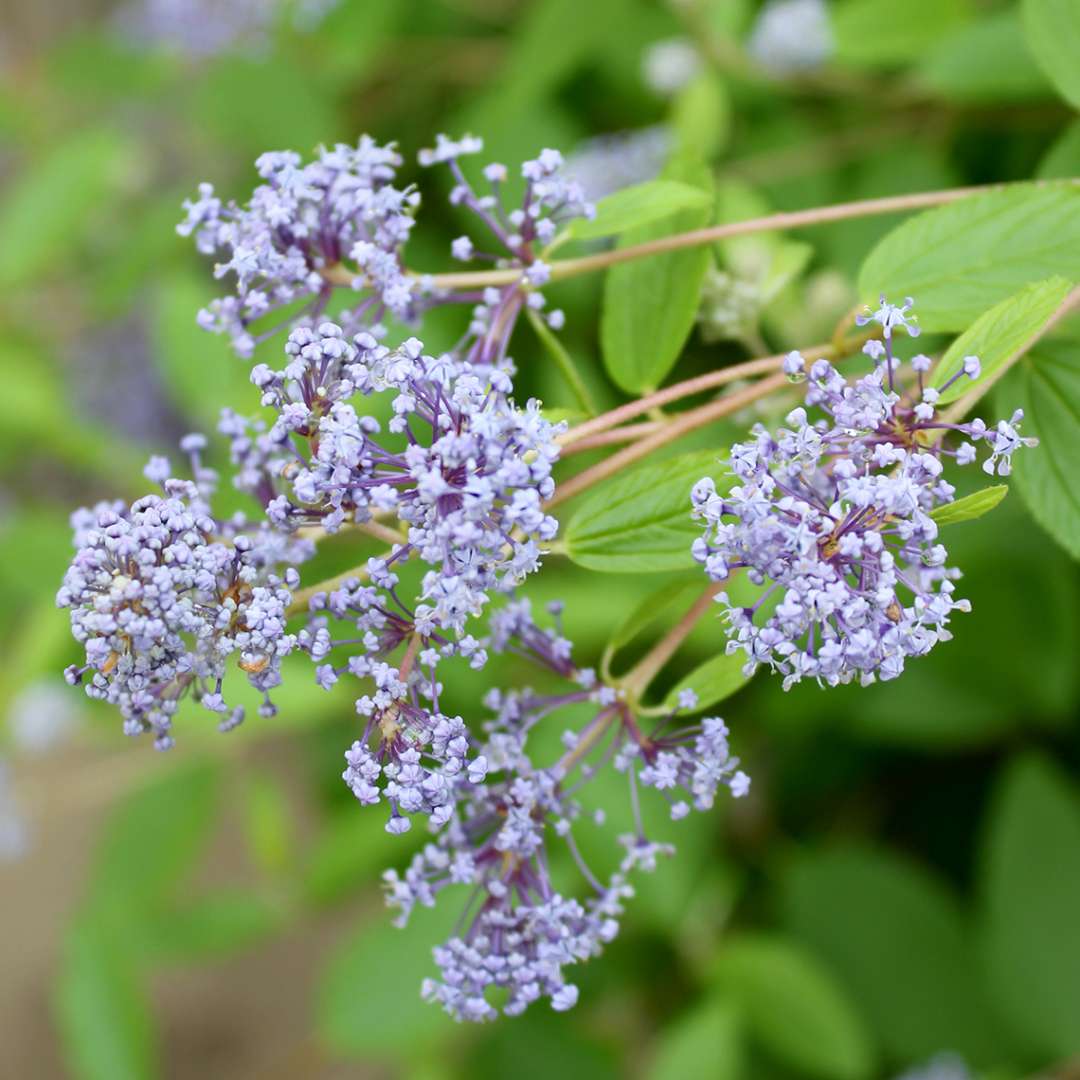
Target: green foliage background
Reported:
point(904, 880)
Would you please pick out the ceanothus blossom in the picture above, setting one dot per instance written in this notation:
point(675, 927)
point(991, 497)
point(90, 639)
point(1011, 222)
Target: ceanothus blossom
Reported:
point(522, 932)
point(551, 199)
point(833, 517)
point(460, 466)
point(304, 220)
point(163, 597)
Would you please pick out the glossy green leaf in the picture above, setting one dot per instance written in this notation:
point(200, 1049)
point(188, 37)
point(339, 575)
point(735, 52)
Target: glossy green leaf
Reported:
point(640, 520)
point(960, 259)
point(1046, 385)
point(369, 1003)
point(46, 212)
point(1053, 32)
point(105, 1025)
point(650, 304)
point(718, 678)
point(999, 336)
point(970, 506)
point(706, 1041)
point(794, 1008)
point(1030, 890)
point(901, 947)
point(637, 205)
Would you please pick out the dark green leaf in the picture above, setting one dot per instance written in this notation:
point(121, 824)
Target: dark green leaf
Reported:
point(1046, 384)
point(794, 1008)
point(960, 259)
point(639, 205)
point(640, 520)
point(897, 941)
point(999, 336)
point(1053, 32)
point(1031, 893)
point(650, 304)
point(718, 678)
point(101, 1010)
point(970, 506)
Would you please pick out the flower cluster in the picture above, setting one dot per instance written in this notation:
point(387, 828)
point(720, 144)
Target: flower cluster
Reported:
point(505, 836)
point(835, 517)
point(302, 222)
point(162, 596)
point(550, 199)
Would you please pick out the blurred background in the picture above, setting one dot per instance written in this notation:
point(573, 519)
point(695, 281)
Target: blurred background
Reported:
point(906, 871)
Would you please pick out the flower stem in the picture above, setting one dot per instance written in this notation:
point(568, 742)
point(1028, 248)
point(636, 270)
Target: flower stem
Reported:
point(675, 392)
point(686, 422)
point(302, 597)
point(568, 268)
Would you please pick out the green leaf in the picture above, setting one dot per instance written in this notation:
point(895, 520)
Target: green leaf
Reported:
point(212, 926)
point(970, 506)
point(1046, 385)
point(897, 941)
point(101, 1010)
point(985, 61)
point(256, 103)
point(1030, 888)
point(1062, 160)
point(1000, 336)
point(351, 848)
point(703, 1042)
point(794, 1008)
point(1053, 32)
point(199, 369)
point(153, 836)
point(960, 259)
point(701, 117)
point(718, 678)
point(46, 212)
point(640, 520)
point(269, 824)
point(650, 304)
point(653, 607)
point(639, 205)
point(386, 1018)
point(868, 34)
